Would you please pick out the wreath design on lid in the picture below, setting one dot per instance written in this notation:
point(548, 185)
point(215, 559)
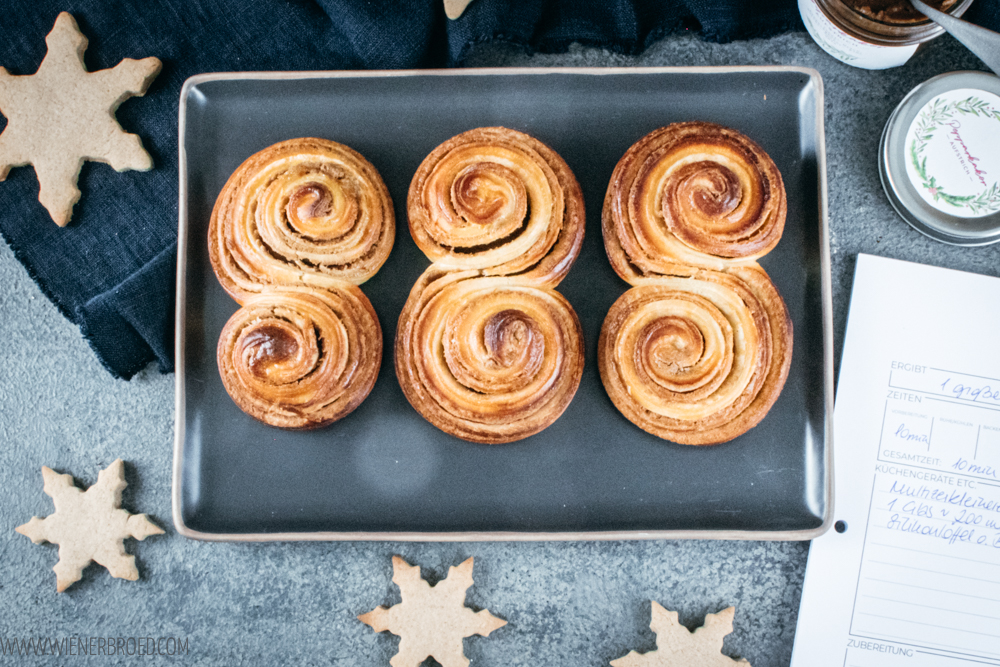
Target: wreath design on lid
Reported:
point(930, 119)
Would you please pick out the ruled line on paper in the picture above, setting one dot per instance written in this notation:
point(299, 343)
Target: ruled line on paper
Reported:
point(934, 553)
point(934, 590)
point(931, 606)
point(981, 377)
point(979, 480)
point(948, 398)
point(969, 403)
point(958, 657)
point(933, 625)
point(955, 648)
point(947, 574)
point(919, 648)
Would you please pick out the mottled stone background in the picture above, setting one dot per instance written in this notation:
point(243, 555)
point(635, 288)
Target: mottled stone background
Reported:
point(576, 604)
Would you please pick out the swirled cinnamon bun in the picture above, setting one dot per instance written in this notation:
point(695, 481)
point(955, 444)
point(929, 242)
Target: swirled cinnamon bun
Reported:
point(486, 349)
point(499, 201)
point(301, 212)
point(698, 350)
point(697, 360)
point(485, 358)
point(692, 195)
point(295, 229)
point(301, 358)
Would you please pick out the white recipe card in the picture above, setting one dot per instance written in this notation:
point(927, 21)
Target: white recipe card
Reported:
point(910, 577)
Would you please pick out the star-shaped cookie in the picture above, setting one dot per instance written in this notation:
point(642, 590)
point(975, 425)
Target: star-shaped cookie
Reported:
point(62, 115)
point(89, 525)
point(431, 620)
point(678, 647)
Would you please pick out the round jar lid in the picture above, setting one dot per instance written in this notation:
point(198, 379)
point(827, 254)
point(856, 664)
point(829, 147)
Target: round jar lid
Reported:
point(940, 158)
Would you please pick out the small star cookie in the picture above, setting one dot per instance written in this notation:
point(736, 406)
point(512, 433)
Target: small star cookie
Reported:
point(62, 115)
point(89, 525)
point(678, 647)
point(431, 620)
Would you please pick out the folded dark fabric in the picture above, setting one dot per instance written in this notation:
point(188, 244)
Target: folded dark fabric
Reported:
point(111, 270)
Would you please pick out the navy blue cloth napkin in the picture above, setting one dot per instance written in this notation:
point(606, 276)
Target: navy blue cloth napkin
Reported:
point(112, 270)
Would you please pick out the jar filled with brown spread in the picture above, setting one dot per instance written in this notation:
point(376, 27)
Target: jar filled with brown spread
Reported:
point(873, 34)
point(896, 12)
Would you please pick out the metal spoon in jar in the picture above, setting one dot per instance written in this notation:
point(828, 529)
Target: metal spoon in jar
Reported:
point(984, 43)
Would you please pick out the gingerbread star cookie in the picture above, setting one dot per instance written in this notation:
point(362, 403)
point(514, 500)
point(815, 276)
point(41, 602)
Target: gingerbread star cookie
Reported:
point(431, 620)
point(62, 115)
point(678, 647)
point(89, 525)
point(454, 8)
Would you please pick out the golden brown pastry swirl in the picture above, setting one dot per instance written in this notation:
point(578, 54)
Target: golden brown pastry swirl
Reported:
point(486, 349)
point(301, 212)
point(692, 354)
point(301, 358)
point(295, 229)
point(697, 359)
point(695, 195)
point(499, 201)
point(485, 358)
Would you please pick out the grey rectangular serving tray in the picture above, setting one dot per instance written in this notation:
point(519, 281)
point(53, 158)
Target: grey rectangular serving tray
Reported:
point(385, 473)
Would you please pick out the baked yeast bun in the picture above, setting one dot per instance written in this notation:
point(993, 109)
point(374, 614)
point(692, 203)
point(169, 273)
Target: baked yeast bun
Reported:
point(301, 358)
point(697, 359)
point(692, 195)
point(301, 212)
point(486, 350)
point(698, 350)
point(294, 231)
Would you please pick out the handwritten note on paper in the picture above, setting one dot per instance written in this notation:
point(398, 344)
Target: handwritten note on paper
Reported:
point(911, 574)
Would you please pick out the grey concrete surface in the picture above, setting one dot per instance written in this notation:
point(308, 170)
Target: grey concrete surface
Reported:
point(263, 604)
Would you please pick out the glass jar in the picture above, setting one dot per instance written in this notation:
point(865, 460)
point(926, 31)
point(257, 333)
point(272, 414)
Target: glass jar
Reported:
point(870, 39)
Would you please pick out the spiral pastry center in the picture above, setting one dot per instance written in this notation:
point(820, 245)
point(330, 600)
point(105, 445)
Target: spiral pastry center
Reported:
point(491, 200)
point(319, 211)
point(489, 195)
point(271, 349)
point(495, 350)
point(512, 339)
point(669, 346)
point(710, 205)
point(677, 348)
point(695, 195)
point(495, 204)
point(299, 357)
point(705, 187)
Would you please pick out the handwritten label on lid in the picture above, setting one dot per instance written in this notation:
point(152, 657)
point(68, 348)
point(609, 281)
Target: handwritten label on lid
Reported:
point(953, 153)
